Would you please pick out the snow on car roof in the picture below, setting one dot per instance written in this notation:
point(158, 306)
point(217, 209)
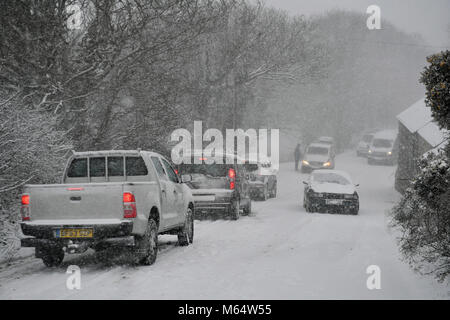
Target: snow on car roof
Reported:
point(321, 145)
point(105, 152)
point(338, 172)
point(200, 153)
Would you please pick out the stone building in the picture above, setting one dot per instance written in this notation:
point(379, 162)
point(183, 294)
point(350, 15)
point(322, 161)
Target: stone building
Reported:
point(418, 134)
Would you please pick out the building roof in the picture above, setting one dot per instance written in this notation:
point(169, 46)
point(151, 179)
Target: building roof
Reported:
point(432, 134)
point(417, 118)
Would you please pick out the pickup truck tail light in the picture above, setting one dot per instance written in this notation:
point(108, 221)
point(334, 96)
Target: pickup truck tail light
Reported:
point(129, 205)
point(25, 208)
point(232, 176)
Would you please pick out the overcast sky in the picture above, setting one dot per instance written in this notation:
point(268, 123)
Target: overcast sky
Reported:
point(430, 18)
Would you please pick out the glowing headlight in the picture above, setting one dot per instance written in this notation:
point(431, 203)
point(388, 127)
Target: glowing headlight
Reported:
point(327, 164)
point(390, 153)
point(305, 162)
point(370, 151)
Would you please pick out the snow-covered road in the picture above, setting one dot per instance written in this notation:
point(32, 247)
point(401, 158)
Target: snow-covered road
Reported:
point(279, 252)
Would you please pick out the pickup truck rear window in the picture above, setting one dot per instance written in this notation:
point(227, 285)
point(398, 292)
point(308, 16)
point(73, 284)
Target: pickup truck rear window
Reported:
point(78, 168)
point(97, 167)
point(135, 166)
point(115, 166)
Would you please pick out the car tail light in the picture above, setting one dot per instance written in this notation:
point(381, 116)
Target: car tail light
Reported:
point(25, 208)
point(232, 176)
point(129, 205)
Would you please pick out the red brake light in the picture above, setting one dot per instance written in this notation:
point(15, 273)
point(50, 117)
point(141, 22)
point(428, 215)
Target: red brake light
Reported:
point(25, 208)
point(231, 173)
point(128, 197)
point(129, 205)
point(176, 171)
point(25, 200)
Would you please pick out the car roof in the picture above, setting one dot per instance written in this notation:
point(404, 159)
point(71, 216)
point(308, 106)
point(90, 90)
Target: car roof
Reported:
point(325, 138)
point(320, 145)
point(338, 172)
point(113, 152)
point(199, 153)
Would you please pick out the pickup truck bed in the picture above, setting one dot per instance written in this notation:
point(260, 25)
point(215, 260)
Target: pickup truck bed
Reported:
point(86, 213)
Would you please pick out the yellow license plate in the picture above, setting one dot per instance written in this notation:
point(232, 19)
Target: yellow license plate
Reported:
point(74, 233)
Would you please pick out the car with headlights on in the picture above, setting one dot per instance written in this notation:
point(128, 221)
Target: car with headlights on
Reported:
point(330, 191)
point(363, 146)
point(318, 156)
point(382, 148)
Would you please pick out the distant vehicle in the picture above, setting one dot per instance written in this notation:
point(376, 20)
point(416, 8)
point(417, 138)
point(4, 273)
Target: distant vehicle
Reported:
point(318, 156)
point(108, 198)
point(382, 148)
point(326, 140)
point(363, 147)
point(262, 179)
point(330, 191)
point(218, 188)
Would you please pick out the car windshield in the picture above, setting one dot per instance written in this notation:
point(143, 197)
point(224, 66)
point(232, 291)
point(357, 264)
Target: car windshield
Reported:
point(252, 167)
point(330, 178)
point(367, 138)
point(318, 150)
point(382, 143)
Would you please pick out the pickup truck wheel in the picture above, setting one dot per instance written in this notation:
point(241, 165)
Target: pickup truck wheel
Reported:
point(234, 210)
point(52, 257)
point(147, 245)
point(186, 235)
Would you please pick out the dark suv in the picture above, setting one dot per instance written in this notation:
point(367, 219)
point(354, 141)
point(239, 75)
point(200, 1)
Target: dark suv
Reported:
point(218, 188)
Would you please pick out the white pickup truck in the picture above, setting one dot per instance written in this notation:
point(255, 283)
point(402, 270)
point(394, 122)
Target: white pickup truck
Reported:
point(108, 198)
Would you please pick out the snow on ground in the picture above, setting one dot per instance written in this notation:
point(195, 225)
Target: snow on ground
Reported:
point(279, 252)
